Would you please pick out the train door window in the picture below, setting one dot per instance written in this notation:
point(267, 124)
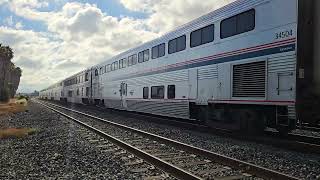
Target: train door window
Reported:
point(69, 93)
point(145, 92)
point(238, 24)
point(171, 92)
point(140, 57)
point(96, 72)
point(177, 44)
point(134, 59)
point(157, 92)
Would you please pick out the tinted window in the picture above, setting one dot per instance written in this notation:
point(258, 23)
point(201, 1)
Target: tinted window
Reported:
point(129, 60)
point(195, 39)
point(116, 66)
point(181, 43)
point(146, 55)
point(145, 92)
point(158, 51)
point(202, 36)
point(238, 24)
point(157, 92)
point(176, 45)
point(171, 92)
point(134, 59)
point(155, 52)
point(140, 57)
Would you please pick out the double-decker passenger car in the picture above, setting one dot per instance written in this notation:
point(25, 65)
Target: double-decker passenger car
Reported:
point(249, 65)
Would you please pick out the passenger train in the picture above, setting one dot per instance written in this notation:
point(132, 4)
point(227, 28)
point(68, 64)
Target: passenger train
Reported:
point(246, 66)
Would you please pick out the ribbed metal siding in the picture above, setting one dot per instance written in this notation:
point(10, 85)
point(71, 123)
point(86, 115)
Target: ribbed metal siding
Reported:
point(249, 80)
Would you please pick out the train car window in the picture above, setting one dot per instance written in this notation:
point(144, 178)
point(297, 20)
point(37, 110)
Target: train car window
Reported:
point(155, 52)
point(86, 77)
point(177, 44)
point(124, 62)
point(195, 38)
point(202, 36)
point(96, 72)
point(78, 92)
point(158, 51)
point(157, 92)
point(116, 65)
point(181, 43)
point(172, 46)
point(145, 92)
point(108, 67)
point(238, 24)
point(171, 92)
point(120, 63)
point(81, 91)
point(134, 59)
point(146, 55)
point(140, 57)
point(101, 71)
point(129, 60)
point(105, 69)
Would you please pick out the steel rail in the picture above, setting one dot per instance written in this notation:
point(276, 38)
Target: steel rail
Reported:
point(228, 161)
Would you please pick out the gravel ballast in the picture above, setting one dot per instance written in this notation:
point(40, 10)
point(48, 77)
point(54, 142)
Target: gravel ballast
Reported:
point(58, 149)
point(305, 166)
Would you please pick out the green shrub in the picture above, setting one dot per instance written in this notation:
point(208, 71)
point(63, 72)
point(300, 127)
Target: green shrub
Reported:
point(23, 97)
point(4, 94)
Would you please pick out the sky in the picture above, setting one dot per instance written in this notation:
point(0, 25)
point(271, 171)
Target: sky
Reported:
point(54, 39)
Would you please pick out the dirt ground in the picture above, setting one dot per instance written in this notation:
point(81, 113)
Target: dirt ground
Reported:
point(13, 106)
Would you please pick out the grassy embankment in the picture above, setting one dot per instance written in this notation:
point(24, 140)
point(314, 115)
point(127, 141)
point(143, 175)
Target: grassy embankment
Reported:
point(14, 106)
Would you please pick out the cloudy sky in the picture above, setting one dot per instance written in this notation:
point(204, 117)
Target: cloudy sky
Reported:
point(54, 39)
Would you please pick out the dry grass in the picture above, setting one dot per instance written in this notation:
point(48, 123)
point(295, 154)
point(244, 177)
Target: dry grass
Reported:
point(13, 106)
point(16, 132)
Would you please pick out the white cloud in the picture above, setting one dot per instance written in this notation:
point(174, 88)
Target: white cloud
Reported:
point(8, 21)
point(168, 14)
point(19, 25)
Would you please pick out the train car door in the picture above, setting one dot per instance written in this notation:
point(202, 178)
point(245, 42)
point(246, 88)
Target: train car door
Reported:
point(123, 94)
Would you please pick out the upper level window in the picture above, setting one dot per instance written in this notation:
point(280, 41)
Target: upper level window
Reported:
point(158, 51)
point(122, 63)
point(157, 92)
point(108, 67)
point(101, 72)
point(177, 44)
point(143, 56)
point(132, 60)
point(202, 36)
point(238, 24)
point(96, 73)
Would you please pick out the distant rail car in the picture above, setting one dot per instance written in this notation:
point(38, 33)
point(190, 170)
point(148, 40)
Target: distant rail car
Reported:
point(246, 66)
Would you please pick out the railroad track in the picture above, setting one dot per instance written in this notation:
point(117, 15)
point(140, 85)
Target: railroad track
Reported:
point(299, 143)
point(178, 159)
